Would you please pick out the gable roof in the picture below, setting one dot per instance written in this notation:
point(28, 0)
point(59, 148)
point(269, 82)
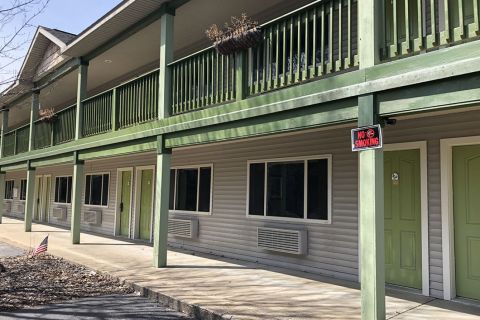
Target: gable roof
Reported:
point(44, 37)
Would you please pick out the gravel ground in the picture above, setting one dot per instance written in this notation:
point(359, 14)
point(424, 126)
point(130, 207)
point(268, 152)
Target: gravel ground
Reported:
point(46, 279)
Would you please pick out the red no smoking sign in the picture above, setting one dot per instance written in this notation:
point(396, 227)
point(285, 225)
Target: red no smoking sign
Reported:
point(367, 138)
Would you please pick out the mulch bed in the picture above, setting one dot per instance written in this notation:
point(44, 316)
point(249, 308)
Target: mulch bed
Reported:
point(45, 279)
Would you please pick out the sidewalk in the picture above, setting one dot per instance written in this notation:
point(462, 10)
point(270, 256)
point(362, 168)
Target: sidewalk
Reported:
point(229, 288)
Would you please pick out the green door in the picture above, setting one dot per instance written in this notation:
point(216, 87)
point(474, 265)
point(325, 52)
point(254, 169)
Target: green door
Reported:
point(403, 241)
point(125, 203)
point(145, 219)
point(38, 198)
point(466, 213)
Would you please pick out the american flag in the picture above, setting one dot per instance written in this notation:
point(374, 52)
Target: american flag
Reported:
point(42, 247)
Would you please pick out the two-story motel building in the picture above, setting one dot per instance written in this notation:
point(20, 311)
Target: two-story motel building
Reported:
point(249, 155)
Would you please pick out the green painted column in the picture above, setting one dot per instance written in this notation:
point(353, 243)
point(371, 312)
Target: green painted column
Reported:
point(30, 198)
point(34, 107)
point(77, 191)
point(372, 260)
point(162, 198)
point(4, 130)
point(2, 194)
point(166, 57)
point(81, 95)
point(370, 32)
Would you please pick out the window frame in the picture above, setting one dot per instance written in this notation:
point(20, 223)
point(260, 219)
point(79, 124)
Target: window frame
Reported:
point(20, 191)
point(71, 188)
point(195, 166)
point(13, 186)
point(305, 218)
point(85, 188)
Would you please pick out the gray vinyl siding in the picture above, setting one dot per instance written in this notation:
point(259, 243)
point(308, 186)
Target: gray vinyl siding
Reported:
point(16, 206)
point(332, 248)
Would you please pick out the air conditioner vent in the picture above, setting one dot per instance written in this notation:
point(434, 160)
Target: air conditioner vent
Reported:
point(183, 228)
point(7, 206)
point(93, 217)
point(60, 213)
point(282, 240)
point(21, 208)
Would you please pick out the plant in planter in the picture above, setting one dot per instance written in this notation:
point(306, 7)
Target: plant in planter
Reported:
point(241, 34)
point(47, 115)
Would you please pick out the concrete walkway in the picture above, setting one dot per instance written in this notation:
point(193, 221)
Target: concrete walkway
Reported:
point(229, 288)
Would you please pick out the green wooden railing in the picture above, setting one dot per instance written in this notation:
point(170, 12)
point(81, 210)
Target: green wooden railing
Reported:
point(309, 43)
point(97, 114)
point(64, 125)
point(137, 100)
point(9, 143)
point(202, 79)
point(416, 26)
point(42, 137)
point(22, 138)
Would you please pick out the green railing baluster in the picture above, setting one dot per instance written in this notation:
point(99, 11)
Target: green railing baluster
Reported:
point(348, 59)
point(298, 19)
point(313, 71)
point(330, 37)
point(305, 50)
point(284, 53)
point(290, 71)
point(338, 63)
point(320, 72)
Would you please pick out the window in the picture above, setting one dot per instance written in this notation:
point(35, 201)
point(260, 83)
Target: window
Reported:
point(291, 188)
point(9, 189)
point(23, 189)
point(96, 189)
point(191, 189)
point(63, 189)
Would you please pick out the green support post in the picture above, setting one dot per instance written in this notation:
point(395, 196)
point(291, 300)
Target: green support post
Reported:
point(166, 57)
point(34, 107)
point(240, 75)
point(162, 198)
point(2, 194)
point(4, 129)
point(77, 191)
point(114, 110)
point(30, 198)
point(370, 32)
point(372, 260)
point(81, 95)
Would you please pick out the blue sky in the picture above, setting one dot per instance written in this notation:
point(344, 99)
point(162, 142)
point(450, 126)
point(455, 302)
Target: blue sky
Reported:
point(67, 15)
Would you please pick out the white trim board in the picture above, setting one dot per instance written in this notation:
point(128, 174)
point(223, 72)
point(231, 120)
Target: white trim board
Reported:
point(422, 146)
point(446, 178)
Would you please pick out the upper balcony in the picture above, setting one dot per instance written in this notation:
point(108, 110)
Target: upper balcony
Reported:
point(309, 43)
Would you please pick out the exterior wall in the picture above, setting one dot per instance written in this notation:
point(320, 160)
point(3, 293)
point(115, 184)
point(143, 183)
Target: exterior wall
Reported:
point(332, 248)
point(17, 206)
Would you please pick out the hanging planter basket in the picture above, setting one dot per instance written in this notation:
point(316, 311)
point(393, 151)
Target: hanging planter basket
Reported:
point(240, 35)
point(47, 115)
point(238, 42)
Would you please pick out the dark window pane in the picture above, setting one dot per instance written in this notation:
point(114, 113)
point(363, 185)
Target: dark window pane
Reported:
point(204, 191)
point(105, 190)
point(256, 193)
point(187, 189)
point(87, 189)
point(285, 189)
point(172, 189)
point(23, 189)
point(69, 191)
point(96, 190)
point(9, 189)
point(317, 207)
point(57, 187)
point(62, 194)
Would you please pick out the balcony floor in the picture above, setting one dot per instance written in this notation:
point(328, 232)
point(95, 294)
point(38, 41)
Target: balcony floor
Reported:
point(230, 288)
